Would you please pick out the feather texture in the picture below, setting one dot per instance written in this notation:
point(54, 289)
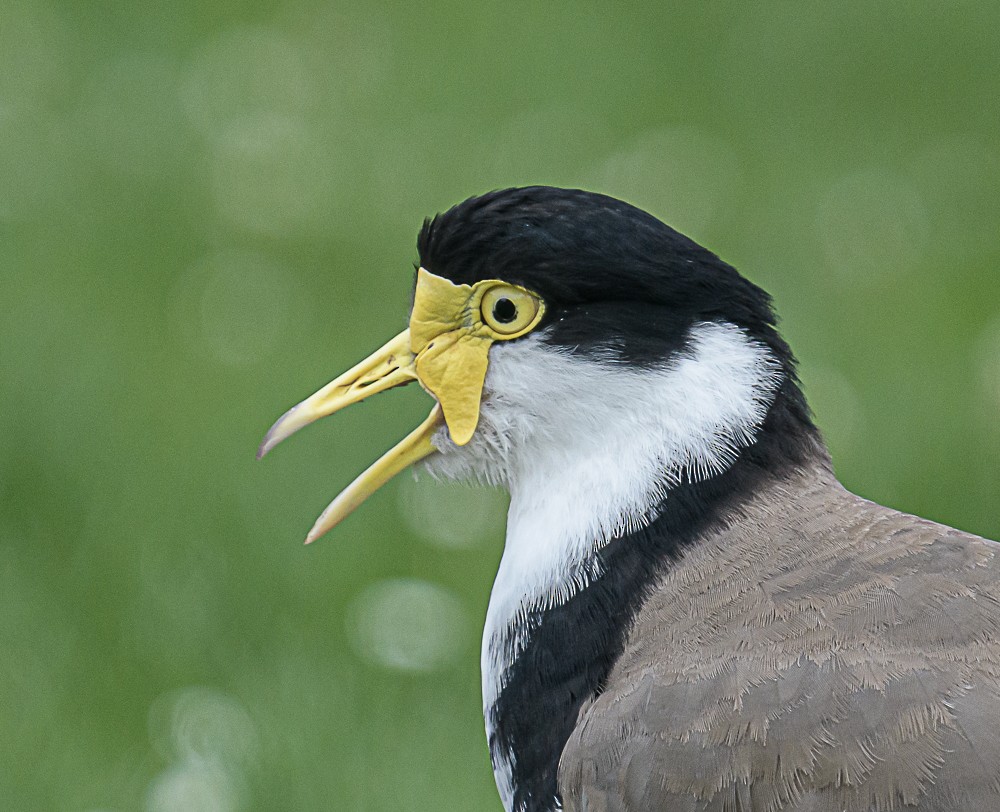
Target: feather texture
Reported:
point(820, 654)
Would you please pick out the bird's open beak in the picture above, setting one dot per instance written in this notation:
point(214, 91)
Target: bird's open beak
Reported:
point(446, 349)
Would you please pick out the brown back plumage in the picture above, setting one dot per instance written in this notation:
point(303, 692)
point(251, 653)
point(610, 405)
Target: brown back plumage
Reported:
point(820, 654)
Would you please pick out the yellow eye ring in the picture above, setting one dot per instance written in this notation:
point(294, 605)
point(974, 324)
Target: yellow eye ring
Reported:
point(509, 311)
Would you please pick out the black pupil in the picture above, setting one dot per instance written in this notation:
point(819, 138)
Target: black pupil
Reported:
point(504, 311)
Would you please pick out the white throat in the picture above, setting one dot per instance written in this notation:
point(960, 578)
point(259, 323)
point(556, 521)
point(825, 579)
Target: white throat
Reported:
point(588, 449)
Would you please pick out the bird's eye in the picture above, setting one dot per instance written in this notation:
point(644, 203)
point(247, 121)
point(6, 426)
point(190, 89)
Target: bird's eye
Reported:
point(510, 311)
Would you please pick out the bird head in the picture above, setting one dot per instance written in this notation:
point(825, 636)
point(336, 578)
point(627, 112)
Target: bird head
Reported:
point(565, 330)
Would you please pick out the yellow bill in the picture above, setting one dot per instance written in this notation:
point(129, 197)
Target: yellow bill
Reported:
point(413, 448)
point(446, 349)
point(390, 366)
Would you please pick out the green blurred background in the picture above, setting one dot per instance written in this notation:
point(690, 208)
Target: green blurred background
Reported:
point(209, 209)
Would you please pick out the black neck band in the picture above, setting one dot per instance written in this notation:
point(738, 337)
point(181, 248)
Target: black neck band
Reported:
point(571, 648)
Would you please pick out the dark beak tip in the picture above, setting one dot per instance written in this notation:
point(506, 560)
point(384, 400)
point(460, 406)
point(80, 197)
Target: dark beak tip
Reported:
point(269, 440)
point(266, 444)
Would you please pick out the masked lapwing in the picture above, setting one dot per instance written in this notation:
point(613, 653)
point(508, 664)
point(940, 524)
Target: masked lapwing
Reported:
point(691, 613)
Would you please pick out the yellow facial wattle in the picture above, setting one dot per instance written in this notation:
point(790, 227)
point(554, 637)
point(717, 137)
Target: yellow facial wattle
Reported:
point(451, 330)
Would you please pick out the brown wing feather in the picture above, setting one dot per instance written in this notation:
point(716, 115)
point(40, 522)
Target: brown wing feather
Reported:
point(823, 654)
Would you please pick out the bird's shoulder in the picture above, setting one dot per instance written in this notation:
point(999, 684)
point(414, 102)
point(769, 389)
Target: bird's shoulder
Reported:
point(820, 653)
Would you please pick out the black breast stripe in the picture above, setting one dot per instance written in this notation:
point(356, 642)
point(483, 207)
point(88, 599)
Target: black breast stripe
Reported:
point(570, 649)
